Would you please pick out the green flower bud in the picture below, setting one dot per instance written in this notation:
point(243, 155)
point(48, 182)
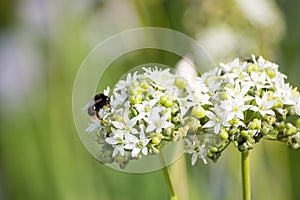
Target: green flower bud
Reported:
point(118, 118)
point(224, 134)
point(233, 131)
point(244, 147)
point(265, 130)
point(252, 67)
point(250, 141)
point(214, 150)
point(280, 126)
point(147, 108)
point(255, 124)
point(290, 129)
point(143, 84)
point(244, 133)
point(291, 111)
point(156, 139)
point(234, 121)
point(278, 103)
point(270, 120)
point(175, 108)
point(297, 123)
point(132, 89)
point(182, 131)
point(180, 82)
point(166, 100)
point(270, 72)
point(167, 131)
point(136, 99)
point(176, 119)
point(198, 111)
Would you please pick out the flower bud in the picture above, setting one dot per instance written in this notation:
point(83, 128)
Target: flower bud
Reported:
point(252, 67)
point(143, 84)
point(280, 126)
point(290, 129)
point(291, 111)
point(224, 134)
point(270, 72)
point(180, 82)
point(244, 133)
point(243, 147)
point(297, 123)
point(234, 121)
point(167, 131)
point(156, 139)
point(270, 120)
point(136, 99)
point(198, 111)
point(214, 150)
point(192, 123)
point(166, 100)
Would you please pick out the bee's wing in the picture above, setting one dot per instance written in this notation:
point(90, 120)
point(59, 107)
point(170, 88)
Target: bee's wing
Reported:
point(87, 106)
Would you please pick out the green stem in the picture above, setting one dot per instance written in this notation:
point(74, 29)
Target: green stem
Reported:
point(167, 178)
point(246, 176)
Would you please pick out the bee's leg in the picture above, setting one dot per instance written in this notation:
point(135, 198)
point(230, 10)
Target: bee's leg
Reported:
point(97, 114)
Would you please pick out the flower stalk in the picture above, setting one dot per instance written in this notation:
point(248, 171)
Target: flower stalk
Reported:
point(167, 178)
point(246, 176)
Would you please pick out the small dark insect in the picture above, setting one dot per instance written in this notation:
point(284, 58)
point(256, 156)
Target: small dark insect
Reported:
point(250, 60)
point(99, 101)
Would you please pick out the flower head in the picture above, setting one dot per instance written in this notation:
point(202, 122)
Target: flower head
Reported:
point(146, 113)
point(249, 101)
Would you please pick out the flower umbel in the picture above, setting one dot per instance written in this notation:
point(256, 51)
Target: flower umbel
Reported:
point(146, 113)
point(249, 101)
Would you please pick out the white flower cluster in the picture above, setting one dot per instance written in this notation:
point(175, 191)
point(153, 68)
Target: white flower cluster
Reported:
point(146, 112)
point(239, 103)
point(249, 101)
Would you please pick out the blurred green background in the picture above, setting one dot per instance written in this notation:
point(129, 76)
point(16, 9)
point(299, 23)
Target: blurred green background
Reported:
point(42, 44)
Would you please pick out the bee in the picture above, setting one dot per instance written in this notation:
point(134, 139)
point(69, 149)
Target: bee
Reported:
point(99, 101)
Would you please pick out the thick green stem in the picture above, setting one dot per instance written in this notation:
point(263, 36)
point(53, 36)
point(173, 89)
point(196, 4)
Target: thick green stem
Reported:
point(246, 176)
point(167, 178)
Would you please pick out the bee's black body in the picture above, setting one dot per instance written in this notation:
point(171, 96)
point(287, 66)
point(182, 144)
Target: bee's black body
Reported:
point(99, 101)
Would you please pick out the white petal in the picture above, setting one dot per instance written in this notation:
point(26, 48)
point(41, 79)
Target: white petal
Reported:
point(133, 131)
point(167, 124)
point(240, 115)
point(194, 158)
point(129, 146)
point(209, 124)
point(188, 142)
point(254, 108)
point(117, 124)
point(150, 127)
point(210, 115)
point(111, 140)
point(116, 150)
point(158, 130)
point(217, 128)
point(135, 152)
point(270, 112)
point(121, 150)
point(145, 151)
point(230, 116)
